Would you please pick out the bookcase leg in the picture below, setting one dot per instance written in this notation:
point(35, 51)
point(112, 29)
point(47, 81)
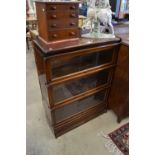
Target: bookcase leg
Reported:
point(119, 119)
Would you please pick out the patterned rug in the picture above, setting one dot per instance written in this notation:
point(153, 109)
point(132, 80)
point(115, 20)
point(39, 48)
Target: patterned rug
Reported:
point(118, 141)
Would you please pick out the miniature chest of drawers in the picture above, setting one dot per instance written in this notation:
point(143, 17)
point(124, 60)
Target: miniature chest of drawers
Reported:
point(75, 80)
point(57, 20)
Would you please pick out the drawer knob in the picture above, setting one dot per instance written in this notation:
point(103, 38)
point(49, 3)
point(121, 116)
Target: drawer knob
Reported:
point(54, 16)
point(53, 25)
point(72, 33)
point(53, 8)
point(54, 35)
point(72, 7)
point(73, 15)
point(72, 24)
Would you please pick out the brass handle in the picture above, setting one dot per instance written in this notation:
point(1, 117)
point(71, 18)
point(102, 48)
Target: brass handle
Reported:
point(72, 24)
point(54, 35)
point(73, 33)
point(54, 16)
point(73, 7)
point(53, 25)
point(53, 8)
point(73, 15)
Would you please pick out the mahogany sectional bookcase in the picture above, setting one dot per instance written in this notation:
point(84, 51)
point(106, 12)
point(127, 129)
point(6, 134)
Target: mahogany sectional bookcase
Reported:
point(75, 80)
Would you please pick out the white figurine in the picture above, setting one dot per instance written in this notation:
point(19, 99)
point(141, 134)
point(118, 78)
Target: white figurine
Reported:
point(99, 18)
point(105, 18)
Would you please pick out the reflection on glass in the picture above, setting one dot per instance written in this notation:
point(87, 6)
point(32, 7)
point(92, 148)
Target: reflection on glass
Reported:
point(79, 106)
point(75, 87)
point(64, 67)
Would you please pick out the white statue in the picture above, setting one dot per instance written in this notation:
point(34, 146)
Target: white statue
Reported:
point(99, 18)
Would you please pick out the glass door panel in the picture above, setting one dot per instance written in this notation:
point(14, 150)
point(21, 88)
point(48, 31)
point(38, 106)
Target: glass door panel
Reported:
point(78, 86)
point(71, 65)
point(81, 105)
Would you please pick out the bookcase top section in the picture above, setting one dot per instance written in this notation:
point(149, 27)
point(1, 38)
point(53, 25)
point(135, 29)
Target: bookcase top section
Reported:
point(80, 44)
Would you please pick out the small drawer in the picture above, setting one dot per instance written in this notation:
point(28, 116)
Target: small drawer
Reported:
point(62, 15)
point(80, 106)
point(55, 24)
point(63, 34)
point(73, 6)
point(61, 7)
point(55, 7)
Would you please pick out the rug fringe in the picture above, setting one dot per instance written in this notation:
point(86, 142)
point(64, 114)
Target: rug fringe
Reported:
point(111, 147)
